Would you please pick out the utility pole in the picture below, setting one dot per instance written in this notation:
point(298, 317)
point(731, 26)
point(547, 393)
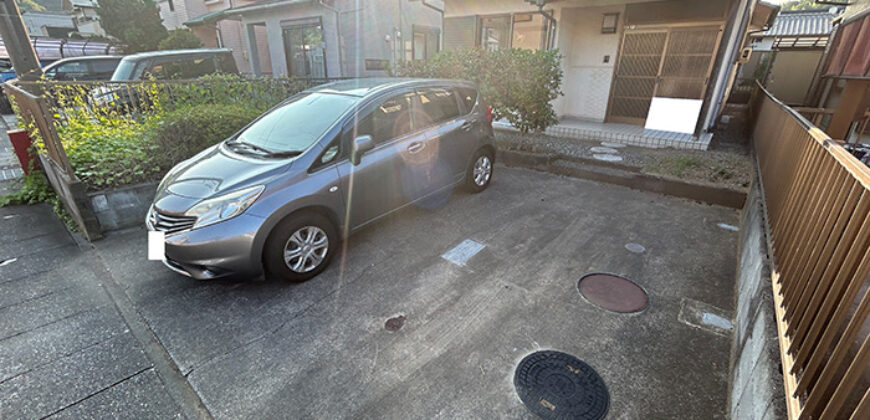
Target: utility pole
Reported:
point(17, 42)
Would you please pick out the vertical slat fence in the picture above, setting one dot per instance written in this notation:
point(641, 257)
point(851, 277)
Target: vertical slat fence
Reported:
point(817, 198)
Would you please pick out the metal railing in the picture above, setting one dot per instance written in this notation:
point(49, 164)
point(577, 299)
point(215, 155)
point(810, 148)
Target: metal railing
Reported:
point(817, 198)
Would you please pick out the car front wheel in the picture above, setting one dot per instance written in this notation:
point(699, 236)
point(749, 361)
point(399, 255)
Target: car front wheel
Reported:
point(300, 247)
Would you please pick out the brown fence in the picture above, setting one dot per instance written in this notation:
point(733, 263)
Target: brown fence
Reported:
point(37, 116)
point(818, 206)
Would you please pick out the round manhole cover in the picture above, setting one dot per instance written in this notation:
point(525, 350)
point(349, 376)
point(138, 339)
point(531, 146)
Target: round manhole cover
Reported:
point(613, 293)
point(556, 385)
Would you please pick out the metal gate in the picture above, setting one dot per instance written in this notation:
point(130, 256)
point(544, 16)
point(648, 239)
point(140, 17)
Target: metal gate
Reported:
point(673, 62)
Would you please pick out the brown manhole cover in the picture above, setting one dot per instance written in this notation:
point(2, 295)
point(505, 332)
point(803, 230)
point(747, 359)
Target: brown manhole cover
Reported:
point(613, 292)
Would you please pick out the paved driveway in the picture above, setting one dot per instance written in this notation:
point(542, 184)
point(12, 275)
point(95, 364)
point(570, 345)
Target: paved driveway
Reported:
point(320, 349)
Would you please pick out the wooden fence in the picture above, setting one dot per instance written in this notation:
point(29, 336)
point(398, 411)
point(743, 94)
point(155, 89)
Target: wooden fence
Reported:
point(817, 199)
point(38, 118)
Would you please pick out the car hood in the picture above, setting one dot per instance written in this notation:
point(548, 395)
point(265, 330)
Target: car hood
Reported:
point(211, 173)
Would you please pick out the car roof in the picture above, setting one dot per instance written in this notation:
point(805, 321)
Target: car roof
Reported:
point(54, 64)
point(169, 53)
point(370, 85)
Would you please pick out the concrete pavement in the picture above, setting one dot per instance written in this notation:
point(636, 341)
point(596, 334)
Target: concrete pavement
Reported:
point(320, 349)
point(65, 350)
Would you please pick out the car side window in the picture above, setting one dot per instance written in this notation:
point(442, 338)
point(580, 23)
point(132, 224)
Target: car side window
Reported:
point(71, 71)
point(436, 106)
point(389, 120)
point(468, 97)
point(103, 69)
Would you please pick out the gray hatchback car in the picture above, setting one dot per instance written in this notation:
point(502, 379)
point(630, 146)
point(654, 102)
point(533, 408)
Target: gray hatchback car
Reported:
point(278, 196)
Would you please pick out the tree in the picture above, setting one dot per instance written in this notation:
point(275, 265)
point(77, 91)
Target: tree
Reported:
point(179, 39)
point(136, 23)
point(802, 5)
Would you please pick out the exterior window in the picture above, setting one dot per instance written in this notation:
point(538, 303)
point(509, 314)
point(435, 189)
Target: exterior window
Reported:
point(425, 43)
point(437, 105)
point(391, 119)
point(530, 31)
point(495, 32)
point(304, 49)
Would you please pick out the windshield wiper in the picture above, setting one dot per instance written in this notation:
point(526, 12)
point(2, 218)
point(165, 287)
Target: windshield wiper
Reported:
point(251, 146)
point(289, 153)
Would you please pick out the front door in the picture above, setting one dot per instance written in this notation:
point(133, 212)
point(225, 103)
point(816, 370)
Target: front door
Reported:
point(304, 49)
point(673, 62)
point(379, 184)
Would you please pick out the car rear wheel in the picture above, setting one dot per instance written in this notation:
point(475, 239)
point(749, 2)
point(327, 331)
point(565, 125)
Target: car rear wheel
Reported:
point(300, 247)
point(480, 172)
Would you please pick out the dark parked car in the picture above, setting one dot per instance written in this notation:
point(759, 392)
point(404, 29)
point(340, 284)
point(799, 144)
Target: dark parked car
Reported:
point(279, 195)
point(175, 64)
point(100, 67)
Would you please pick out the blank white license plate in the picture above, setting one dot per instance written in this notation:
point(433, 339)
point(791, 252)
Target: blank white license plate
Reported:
point(156, 245)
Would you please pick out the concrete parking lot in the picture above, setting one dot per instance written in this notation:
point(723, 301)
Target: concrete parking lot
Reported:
point(320, 349)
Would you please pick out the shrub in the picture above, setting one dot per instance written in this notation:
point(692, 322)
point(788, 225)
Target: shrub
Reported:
point(520, 85)
point(110, 152)
point(187, 131)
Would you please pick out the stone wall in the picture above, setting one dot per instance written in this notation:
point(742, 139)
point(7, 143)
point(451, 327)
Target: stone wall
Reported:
point(755, 380)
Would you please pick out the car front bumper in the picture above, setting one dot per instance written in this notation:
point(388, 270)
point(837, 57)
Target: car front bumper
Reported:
point(224, 249)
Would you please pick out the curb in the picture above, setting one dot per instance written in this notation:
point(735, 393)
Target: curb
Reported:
point(613, 173)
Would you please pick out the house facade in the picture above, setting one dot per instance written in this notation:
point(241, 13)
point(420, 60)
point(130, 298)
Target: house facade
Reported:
point(328, 38)
point(623, 61)
point(786, 57)
point(843, 82)
point(84, 15)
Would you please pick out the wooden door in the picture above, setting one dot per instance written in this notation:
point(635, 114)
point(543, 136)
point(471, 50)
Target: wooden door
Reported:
point(634, 82)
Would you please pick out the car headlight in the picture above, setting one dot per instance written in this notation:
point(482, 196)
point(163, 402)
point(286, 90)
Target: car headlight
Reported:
point(224, 207)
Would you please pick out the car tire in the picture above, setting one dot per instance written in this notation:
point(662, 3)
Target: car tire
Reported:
point(480, 171)
point(293, 251)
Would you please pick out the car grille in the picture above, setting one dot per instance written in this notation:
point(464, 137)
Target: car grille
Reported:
point(170, 224)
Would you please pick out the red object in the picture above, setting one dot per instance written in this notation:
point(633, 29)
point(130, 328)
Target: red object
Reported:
point(21, 143)
point(489, 117)
point(849, 54)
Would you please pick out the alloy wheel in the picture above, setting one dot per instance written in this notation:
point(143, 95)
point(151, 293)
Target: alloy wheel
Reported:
point(306, 249)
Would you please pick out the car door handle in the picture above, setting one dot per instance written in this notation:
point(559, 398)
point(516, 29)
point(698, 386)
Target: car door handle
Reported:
point(416, 147)
point(468, 125)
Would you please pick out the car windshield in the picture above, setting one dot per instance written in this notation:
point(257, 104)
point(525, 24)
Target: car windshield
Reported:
point(298, 123)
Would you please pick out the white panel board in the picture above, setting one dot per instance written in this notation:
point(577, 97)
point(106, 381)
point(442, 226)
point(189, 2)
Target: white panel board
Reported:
point(673, 114)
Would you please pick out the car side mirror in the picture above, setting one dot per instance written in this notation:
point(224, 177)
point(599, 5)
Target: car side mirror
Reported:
point(361, 145)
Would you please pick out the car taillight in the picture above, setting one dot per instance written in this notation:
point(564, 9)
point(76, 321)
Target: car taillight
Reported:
point(489, 114)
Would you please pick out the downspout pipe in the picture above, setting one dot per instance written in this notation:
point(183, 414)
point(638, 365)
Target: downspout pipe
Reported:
point(548, 16)
point(441, 12)
point(337, 34)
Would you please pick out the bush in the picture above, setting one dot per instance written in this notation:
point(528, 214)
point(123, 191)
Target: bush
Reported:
point(111, 152)
point(520, 85)
point(178, 39)
point(187, 131)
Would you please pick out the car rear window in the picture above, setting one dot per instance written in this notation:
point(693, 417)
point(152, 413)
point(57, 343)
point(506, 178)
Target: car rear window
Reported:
point(468, 97)
point(437, 105)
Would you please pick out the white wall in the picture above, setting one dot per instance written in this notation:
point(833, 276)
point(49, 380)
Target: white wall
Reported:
point(587, 78)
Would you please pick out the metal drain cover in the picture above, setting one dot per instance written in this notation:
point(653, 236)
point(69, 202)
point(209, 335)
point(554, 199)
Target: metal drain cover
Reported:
point(613, 292)
point(556, 385)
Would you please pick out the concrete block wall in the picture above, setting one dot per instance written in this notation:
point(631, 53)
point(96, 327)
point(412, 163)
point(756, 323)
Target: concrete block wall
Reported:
point(755, 380)
point(123, 207)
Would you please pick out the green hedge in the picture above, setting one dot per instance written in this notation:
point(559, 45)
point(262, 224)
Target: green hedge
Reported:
point(520, 85)
point(187, 131)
